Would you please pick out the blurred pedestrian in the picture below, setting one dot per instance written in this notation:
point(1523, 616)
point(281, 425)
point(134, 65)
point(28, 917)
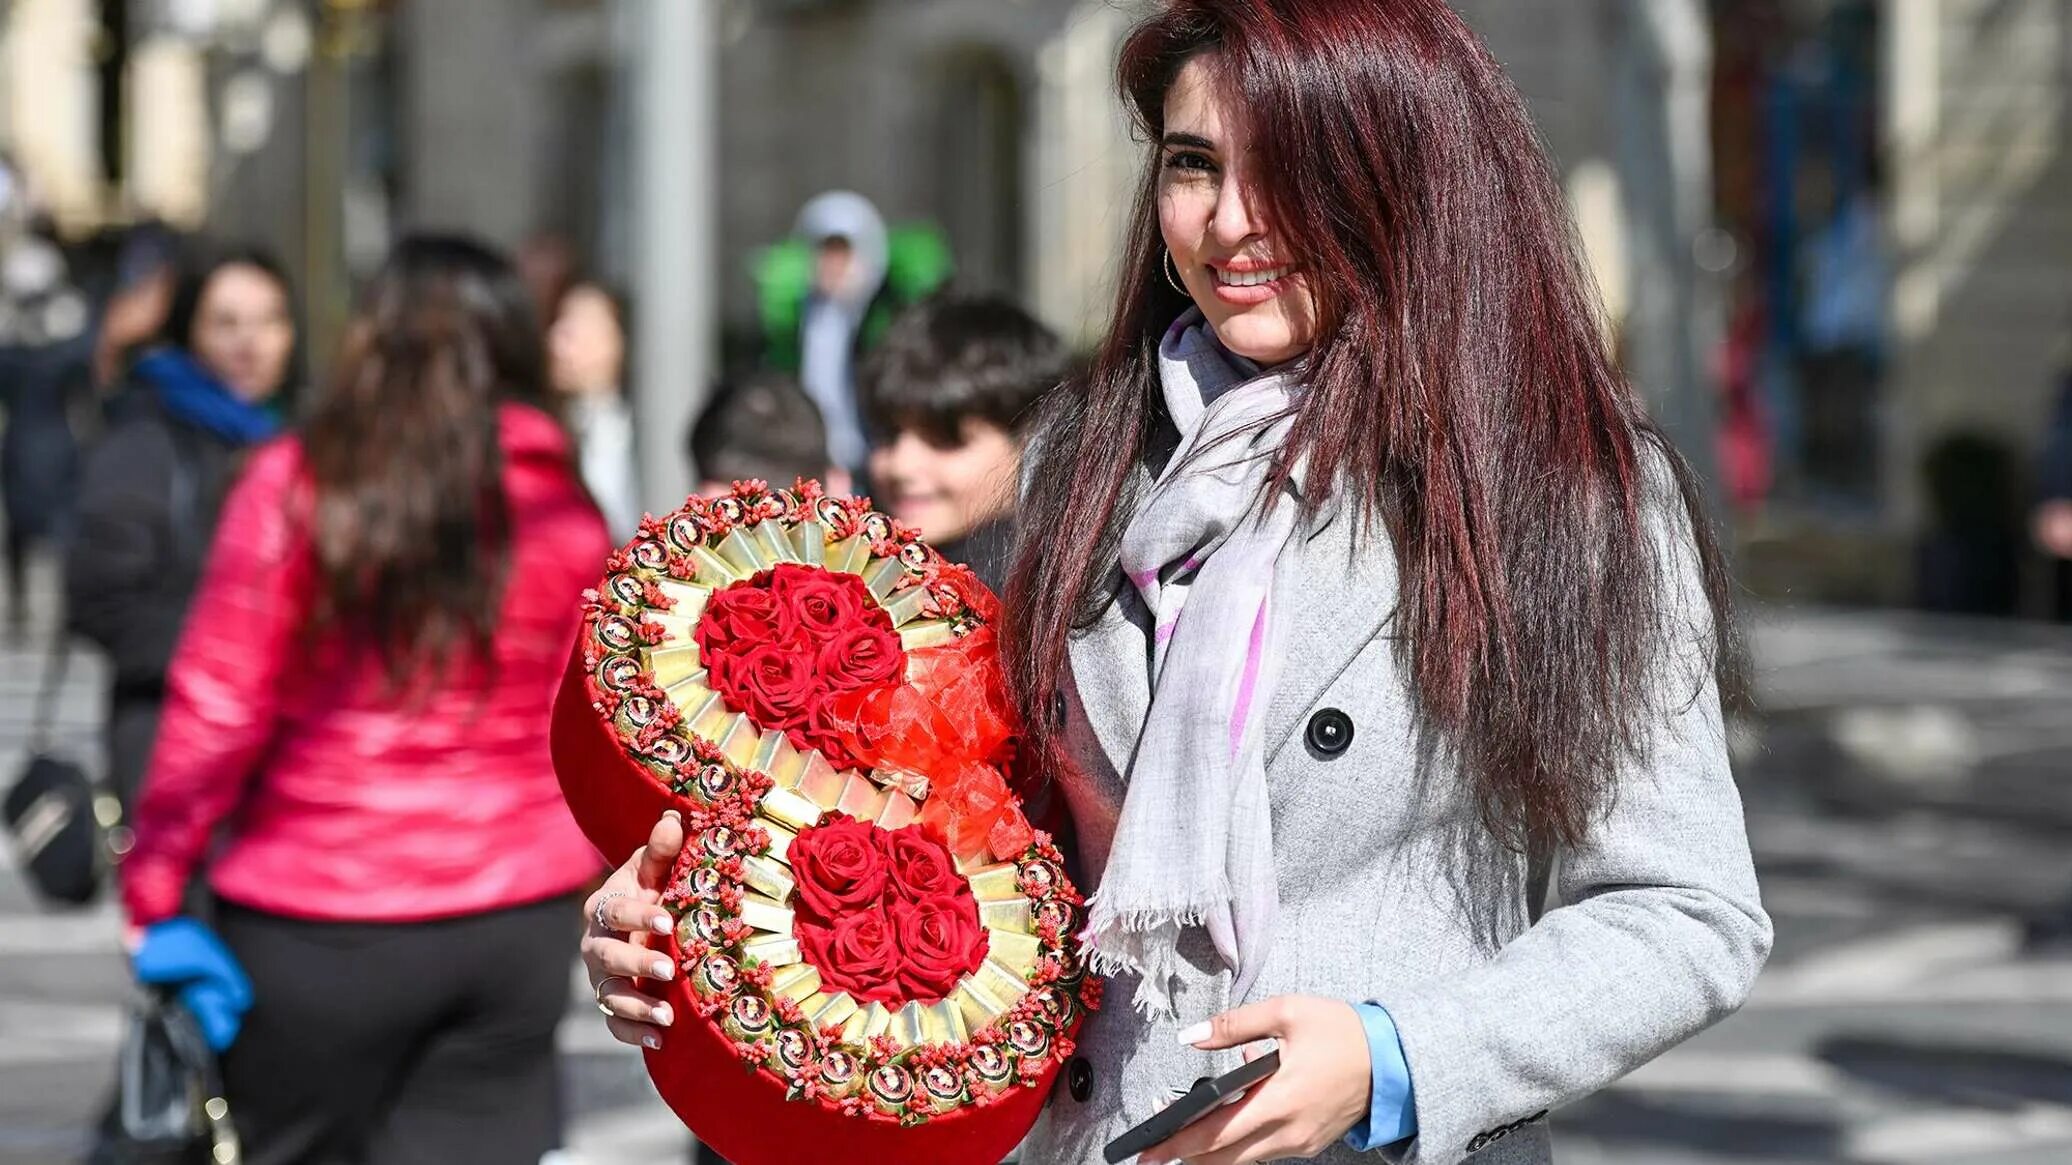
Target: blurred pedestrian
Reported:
point(830, 292)
point(2051, 522)
point(193, 406)
point(359, 705)
point(45, 391)
point(762, 428)
point(586, 348)
point(948, 394)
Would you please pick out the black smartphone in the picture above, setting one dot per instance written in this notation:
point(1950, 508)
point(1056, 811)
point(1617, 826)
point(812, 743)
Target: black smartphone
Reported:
point(1208, 1093)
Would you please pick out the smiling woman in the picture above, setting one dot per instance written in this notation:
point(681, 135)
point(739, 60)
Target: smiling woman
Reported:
point(1254, 298)
point(1358, 603)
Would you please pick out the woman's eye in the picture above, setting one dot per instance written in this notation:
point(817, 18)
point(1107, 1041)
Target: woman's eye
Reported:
point(1187, 161)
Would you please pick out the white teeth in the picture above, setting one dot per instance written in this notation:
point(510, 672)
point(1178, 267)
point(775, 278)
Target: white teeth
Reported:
point(1248, 278)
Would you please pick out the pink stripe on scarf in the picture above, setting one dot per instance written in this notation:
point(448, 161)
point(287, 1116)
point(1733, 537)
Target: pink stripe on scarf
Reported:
point(1242, 713)
point(1166, 632)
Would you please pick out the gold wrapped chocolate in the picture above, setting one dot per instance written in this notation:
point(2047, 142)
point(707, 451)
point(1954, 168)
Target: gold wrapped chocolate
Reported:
point(780, 839)
point(1000, 982)
point(749, 1018)
point(673, 666)
point(715, 975)
point(1013, 914)
point(825, 1010)
point(775, 546)
point(772, 950)
point(791, 809)
point(906, 1030)
point(991, 1068)
point(791, 1049)
point(713, 569)
point(1017, 952)
point(942, 1087)
point(892, 1087)
point(877, 1020)
point(999, 882)
point(840, 1074)
point(798, 982)
point(767, 876)
point(765, 914)
point(977, 1005)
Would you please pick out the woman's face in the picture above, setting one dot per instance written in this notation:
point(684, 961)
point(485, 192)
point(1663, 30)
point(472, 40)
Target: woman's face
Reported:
point(1234, 268)
point(242, 332)
point(586, 347)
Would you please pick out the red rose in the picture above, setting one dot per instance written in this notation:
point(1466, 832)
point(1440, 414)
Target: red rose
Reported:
point(771, 683)
point(921, 868)
point(862, 656)
point(822, 602)
point(838, 867)
point(859, 953)
point(742, 616)
point(941, 942)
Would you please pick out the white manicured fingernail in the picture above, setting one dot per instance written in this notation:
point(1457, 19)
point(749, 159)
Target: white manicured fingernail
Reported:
point(672, 814)
point(651, 1041)
point(1194, 1033)
point(663, 970)
point(664, 1015)
point(659, 924)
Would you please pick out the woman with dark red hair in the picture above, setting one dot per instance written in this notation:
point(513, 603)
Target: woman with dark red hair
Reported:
point(1360, 605)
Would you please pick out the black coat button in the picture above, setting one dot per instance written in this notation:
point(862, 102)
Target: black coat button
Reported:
point(1079, 1079)
point(1330, 732)
point(1057, 711)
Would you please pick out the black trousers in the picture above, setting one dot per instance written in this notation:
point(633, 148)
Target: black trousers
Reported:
point(393, 1044)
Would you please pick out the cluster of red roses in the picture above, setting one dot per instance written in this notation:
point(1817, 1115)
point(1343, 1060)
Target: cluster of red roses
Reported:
point(883, 914)
point(789, 644)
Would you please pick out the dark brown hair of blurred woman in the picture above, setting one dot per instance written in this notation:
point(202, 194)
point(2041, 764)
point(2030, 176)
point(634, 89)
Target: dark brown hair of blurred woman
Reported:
point(410, 524)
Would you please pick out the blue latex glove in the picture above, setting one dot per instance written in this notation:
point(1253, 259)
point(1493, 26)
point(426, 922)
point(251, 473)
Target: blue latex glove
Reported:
point(1392, 1105)
point(182, 953)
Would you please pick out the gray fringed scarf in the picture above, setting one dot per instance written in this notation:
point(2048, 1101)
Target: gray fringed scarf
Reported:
point(1194, 841)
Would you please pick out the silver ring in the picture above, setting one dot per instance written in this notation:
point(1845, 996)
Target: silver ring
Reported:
point(599, 992)
point(597, 911)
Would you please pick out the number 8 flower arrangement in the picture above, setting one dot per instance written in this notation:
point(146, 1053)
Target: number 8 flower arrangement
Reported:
point(877, 952)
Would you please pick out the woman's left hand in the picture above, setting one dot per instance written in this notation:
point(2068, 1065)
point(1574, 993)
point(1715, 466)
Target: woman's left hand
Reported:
point(1321, 1090)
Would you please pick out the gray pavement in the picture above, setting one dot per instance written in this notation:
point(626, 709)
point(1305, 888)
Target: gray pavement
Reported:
point(1909, 790)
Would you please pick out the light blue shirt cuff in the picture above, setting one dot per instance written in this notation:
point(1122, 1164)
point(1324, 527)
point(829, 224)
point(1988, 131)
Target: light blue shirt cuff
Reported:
point(1392, 1105)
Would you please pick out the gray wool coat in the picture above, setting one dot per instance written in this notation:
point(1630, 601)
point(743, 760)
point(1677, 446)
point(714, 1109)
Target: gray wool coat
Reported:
point(1508, 1005)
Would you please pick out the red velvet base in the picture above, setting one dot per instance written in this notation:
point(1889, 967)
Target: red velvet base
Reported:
point(742, 1114)
point(615, 801)
point(744, 1117)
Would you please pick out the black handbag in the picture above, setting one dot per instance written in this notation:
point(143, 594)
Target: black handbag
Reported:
point(169, 1105)
point(60, 822)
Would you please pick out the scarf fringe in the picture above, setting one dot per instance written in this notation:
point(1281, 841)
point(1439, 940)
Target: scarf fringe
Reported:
point(1144, 940)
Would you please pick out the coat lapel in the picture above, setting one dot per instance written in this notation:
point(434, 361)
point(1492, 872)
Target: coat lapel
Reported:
point(1111, 677)
point(1335, 592)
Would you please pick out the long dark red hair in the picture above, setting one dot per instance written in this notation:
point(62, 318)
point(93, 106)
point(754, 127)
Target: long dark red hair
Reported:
point(1460, 393)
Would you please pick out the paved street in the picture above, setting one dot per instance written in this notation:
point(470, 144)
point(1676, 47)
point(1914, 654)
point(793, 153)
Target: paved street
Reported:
point(1910, 797)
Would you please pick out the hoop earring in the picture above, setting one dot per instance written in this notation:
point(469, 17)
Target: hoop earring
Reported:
point(1171, 271)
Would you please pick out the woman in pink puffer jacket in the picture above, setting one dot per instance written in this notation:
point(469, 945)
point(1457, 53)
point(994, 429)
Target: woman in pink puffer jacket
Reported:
point(354, 745)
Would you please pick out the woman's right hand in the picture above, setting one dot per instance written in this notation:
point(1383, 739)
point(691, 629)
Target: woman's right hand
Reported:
point(621, 919)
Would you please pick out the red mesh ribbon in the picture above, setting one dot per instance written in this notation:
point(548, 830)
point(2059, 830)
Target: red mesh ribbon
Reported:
point(952, 721)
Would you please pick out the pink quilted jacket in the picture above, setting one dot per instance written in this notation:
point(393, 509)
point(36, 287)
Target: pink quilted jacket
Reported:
point(339, 799)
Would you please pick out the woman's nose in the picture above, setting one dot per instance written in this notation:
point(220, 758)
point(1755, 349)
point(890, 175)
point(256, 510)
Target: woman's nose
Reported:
point(1234, 220)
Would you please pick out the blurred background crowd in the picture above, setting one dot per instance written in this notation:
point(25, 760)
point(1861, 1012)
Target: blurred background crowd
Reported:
point(855, 239)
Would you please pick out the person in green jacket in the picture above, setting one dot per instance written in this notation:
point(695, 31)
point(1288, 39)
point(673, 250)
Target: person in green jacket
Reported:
point(830, 291)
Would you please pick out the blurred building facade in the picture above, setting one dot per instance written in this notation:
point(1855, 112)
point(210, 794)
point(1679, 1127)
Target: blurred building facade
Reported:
point(1832, 234)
